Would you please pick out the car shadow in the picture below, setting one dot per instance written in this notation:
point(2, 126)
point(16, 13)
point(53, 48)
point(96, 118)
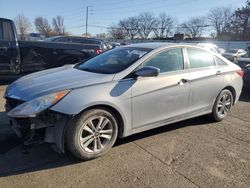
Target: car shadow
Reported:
point(5, 80)
point(17, 159)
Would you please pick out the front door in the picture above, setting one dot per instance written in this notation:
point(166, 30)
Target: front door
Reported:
point(156, 100)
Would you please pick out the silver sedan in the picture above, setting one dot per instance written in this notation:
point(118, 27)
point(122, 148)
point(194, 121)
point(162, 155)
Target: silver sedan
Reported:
point(127, 90)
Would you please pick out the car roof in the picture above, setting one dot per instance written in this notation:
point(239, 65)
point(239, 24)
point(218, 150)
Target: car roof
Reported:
point(5, 19)
point(79, 37)
point(151, 45)
point(155, 45)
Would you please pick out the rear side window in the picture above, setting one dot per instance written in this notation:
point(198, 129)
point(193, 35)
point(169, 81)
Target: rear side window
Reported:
point(89, 41)
point(166, 61)
point(76, 40)
point(62, 39)
point(199, 58)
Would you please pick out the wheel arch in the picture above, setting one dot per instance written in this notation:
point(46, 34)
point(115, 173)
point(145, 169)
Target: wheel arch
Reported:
point(112, 110)
point(232, 90)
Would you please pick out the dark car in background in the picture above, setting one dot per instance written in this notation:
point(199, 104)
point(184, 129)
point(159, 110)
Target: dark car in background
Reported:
point(234, 54)
point(22, 57)
point(100, 45)
point(115, 44)
point(244, 63)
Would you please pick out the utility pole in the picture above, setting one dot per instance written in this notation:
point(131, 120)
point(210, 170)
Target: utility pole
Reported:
point(87, 17)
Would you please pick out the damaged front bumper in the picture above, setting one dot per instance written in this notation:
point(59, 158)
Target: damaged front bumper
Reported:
point(47, 127)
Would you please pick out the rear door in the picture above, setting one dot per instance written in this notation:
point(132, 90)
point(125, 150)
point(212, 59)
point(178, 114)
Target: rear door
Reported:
point(9, 54)
point(206, 80)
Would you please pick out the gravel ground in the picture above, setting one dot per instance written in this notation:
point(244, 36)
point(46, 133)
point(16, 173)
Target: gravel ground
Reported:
point(193, 153)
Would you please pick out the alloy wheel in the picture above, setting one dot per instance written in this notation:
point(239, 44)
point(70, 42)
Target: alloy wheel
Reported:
point(96, 134)
point(224, 104)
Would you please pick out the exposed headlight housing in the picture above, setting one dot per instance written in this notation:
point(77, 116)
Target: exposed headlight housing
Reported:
point(36, 106)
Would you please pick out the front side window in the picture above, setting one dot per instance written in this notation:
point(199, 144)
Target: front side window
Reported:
point(170, 60)
point(113, 61)
point(199, 58)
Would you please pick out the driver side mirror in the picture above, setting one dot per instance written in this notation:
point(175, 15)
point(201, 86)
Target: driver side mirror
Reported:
point(147, 71)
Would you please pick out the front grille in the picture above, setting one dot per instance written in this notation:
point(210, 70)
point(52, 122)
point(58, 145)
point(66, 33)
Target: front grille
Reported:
point(12, 103)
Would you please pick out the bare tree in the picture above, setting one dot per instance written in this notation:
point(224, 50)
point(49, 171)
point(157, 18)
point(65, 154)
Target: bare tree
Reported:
point(58, 25)
point(241, 22)
point(220, 19)
point(101, 36)
point(23, 25)
point(194, 27)
point(163, 26)
point(146, 23)
point(42, 26)
point(131, 26)
point(116, 32)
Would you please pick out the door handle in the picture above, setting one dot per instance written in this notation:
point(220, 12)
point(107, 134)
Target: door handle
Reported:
point(218, 73)
point(183, 81)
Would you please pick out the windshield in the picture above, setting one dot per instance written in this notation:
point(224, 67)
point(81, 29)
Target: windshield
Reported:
point(113, 61)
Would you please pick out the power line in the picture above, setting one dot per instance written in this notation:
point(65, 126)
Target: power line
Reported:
point(134, 7)
point(126, 11)
point(145, 8)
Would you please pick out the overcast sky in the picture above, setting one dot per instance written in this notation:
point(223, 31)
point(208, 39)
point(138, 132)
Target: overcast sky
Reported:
point(104, 13)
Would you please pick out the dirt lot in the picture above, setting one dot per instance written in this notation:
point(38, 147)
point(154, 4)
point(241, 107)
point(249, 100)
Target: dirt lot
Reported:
point(193, 153)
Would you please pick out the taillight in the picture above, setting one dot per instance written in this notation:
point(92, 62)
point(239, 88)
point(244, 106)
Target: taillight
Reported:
point(240, 73)
point(98, 51)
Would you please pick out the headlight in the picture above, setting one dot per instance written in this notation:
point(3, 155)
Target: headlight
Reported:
point(35, 106)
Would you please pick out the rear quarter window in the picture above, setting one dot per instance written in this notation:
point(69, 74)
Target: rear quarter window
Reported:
point(199, 58)
point(220, 62)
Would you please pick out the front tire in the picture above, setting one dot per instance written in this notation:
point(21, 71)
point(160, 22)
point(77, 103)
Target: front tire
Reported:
point(222, 105)
point(92, 134)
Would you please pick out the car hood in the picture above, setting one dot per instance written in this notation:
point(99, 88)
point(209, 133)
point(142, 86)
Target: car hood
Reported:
point(53, 80)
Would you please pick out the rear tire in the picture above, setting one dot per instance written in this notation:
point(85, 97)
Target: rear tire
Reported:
point(222, 105)
point(92, 134)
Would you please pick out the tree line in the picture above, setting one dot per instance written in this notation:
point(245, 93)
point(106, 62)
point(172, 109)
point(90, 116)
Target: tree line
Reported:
point(41, 24)
point(227, 24)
